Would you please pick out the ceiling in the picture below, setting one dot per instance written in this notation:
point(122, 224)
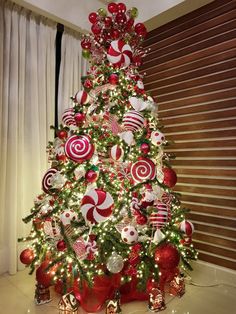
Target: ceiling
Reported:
point(74, 13)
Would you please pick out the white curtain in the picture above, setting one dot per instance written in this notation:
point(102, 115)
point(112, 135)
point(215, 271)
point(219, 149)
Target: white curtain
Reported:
point(27, 80)
point(73, 66)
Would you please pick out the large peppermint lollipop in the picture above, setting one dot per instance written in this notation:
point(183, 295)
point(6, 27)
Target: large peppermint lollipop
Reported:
point(79, 148)
point(119, 53)
point(47, 182)
point(96, 205)
point(142, 170)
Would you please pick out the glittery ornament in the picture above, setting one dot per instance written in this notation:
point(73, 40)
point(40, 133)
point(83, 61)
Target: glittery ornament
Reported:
point(115, 263)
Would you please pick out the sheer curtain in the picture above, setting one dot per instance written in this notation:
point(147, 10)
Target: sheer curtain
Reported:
point(27, 80)
point(73, 66)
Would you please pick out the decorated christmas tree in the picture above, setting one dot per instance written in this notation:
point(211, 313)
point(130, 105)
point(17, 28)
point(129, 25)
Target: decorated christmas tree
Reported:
point(108, 223)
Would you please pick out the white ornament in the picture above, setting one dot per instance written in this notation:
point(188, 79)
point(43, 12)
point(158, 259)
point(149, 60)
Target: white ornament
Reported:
point(140, 84)
point(137, 103)
point(129, 234)
point(57, 180)
point(45, 209)
point(79, 172)
point(67, 216)
point(115, 263)
point(157, 137)
point(158, 236)
point(127, 137)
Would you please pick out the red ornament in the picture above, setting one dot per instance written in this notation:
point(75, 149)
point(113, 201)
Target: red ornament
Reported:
point(88, 84)
point(27, 256)
point(170, 177)
point(167, 256)
point(107, 21)
point(79, 118)
point(145, 148)
point(62, 134)
point(141, 220)
point(61, 158)
point(61, 245)
point(113, 79)
point(121, 7)
point(140, 29)
point(91, 176)
point(96, 29)
point(112, 7)
point(121, 18)
point(129, 24)
point(44, 277)
point(85, 44)
point(115, 34)
point(93, 17)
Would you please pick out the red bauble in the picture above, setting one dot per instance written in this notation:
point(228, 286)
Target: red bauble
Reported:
point(121, 18)
point(113, 79)
point(129, 23)
point(93, 17)
point(96, 29)
point(115, 34)
point(61, 158)
point(167, 256)
point(145, 148)
point(121, 7)
point(112, 7)
point(27, 256)
point(91, 176)
point(62, 134)
point(107, 21)
point(141, 220)
point(44, 277)
point(140, 29)
point(61, 245)
point(170, 177)
point(88, 84)
point(79, 118)
point(85, 44)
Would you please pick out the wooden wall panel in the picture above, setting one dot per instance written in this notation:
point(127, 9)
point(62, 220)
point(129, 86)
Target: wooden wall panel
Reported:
point(191, 72)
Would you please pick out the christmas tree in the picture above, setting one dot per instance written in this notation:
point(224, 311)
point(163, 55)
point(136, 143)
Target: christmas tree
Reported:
point(107, 219)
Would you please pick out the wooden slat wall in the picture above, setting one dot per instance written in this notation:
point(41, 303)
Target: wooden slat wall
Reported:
point(191, 72)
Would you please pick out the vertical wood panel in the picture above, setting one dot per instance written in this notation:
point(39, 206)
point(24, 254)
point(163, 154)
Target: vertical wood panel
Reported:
point(191, 72)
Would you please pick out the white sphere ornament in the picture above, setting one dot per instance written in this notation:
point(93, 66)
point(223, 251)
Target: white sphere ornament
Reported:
point(129, 234)
point(115, 263)
point(157, 137)
point(67, 216)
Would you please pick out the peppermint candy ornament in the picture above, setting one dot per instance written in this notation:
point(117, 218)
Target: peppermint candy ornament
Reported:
point(129, 235)
point(119, 53)
point(157, 138)
point(67, 216)
point(133, 120)
point(96, 205)
point(68, 117)
point(160, 218)
point(79, 247)
point(116, 153)
point(187, 227)
point(79, 148)
point(51, 228)
point(142, 170)
point(47, 182)
point(82, 97)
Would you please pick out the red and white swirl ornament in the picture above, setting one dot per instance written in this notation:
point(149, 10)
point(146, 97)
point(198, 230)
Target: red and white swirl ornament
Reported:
point(68, 117)
point(119, 53)
point(79, 148)
point(160, 218)
point(142, 170)
point(47, 179)
point(96, 205)
point(51, 228)
point(116, 153)
point(82, 97)
point(187, 227)
point(133, 120)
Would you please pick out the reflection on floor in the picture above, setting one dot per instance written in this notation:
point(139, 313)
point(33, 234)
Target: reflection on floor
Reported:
point(17, 297)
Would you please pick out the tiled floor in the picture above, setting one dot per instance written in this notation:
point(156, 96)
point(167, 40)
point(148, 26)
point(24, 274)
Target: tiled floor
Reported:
point(17, 294)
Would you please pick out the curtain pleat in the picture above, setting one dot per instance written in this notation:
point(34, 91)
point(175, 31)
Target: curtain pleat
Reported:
point(27, 93)
point(72, 67)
